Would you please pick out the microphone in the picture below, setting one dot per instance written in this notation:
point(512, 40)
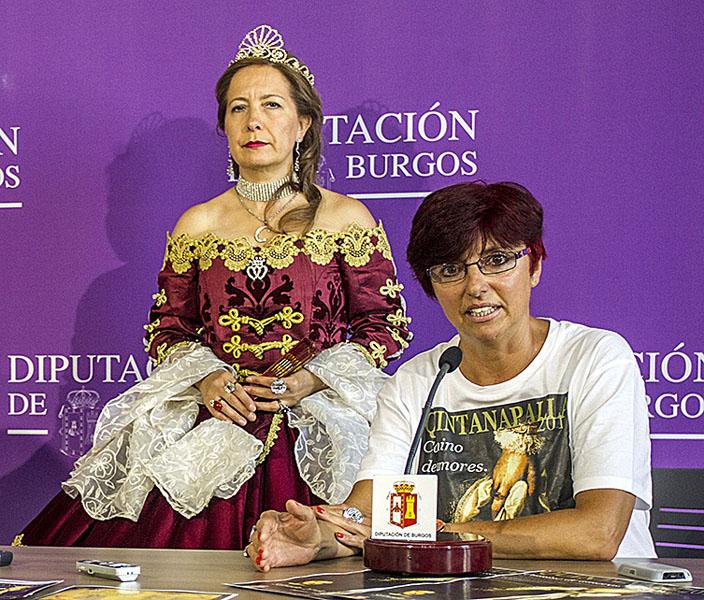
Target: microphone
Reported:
point(419, 552)
point(450, 359)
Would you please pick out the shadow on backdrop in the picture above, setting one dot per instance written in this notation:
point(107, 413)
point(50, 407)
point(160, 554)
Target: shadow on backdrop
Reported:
point(166, 167)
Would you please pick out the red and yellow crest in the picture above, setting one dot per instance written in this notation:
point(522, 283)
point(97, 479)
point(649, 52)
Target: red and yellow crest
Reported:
point(402, 505)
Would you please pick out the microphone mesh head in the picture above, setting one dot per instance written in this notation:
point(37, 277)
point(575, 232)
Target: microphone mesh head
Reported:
point(452, 357)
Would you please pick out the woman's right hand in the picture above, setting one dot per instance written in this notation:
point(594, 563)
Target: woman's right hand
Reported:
point(292, 537)
point(235, 406)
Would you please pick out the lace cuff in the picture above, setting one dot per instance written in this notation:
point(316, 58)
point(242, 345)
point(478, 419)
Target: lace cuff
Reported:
point(214, 459)
point(145, 436)
point(334, 423)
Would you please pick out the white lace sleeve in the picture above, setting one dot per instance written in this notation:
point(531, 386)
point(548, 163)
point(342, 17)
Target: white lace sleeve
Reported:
point(334, 423)
point(145, 437)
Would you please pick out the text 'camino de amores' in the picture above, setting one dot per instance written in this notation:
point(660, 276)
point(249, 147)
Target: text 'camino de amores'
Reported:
point(44, 370)
point(407, 144)
point(9, 158)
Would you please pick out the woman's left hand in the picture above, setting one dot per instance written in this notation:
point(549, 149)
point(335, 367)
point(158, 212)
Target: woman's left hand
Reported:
point(296, 387)
point(348, 532)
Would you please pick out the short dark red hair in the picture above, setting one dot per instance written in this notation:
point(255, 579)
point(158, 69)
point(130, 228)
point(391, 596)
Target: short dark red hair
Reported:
point(453, 220)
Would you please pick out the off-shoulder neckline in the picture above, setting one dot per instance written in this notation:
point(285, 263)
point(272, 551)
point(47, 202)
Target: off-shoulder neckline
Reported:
point(318, 231)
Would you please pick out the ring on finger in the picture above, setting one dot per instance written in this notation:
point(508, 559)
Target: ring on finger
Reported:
point(282, 407)
point(245, 554)
point(278, 387)
point(251, 532)
point(216, 404)
point(352, 513)
point(229, 387)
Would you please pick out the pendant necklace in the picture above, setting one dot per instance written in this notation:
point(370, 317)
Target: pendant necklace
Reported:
point(266, 223)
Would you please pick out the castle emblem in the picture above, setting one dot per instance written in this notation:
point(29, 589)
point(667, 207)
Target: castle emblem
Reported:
point(402, 505)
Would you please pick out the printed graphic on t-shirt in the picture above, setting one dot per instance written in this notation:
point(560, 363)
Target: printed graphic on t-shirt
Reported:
point(500, 462)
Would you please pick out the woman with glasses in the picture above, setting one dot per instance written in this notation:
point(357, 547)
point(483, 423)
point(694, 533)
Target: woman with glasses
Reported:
point(539, 439)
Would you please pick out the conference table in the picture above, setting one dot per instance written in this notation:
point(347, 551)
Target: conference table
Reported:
point(209, 570)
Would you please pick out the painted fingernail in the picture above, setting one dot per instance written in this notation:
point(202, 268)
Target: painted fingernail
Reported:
point(260, 553)
point(259, 536)
point(258, 560)
point(339, 535)
point(320, 509)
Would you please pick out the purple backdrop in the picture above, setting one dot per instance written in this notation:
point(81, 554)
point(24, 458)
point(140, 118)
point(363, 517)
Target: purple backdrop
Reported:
point(107, 133)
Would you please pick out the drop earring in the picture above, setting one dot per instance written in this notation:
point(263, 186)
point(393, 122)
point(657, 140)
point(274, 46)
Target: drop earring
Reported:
point(230, 168)
point(296, 160)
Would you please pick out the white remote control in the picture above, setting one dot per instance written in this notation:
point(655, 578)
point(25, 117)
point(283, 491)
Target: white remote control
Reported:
point(652, 571)
point(108, 570)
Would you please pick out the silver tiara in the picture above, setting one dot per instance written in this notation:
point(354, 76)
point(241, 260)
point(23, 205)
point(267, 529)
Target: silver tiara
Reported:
point(266, 42)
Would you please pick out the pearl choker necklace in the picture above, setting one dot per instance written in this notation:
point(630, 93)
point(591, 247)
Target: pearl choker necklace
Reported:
point(262, 192)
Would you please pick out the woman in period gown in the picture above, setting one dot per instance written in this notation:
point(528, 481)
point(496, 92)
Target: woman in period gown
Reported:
point(276, 307)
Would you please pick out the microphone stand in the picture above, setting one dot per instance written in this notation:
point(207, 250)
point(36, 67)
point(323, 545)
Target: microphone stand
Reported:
point(451, 554)
point(444, 370)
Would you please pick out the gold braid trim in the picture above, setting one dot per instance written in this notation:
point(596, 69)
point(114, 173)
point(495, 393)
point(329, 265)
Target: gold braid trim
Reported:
point(356, 244)
point(179, 251)
point(242, 374)
point(271, 437)
point(366, 353)
point(163, 351)
point(382, 242)
point(378, 352)
point(399, 318)
point(391, 289)
point(286, 316)
point(320, 246)
point(160, 298)
point(207, 252)
point(236, 254)
point(280, 251)
point(402, 343)
point(150, 329)
point(236, 346)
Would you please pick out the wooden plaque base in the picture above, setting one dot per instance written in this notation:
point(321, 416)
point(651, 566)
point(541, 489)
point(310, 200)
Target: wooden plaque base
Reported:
point(450, 555)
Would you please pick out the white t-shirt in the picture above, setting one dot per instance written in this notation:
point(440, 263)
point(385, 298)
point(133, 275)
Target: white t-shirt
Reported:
point(574, 419)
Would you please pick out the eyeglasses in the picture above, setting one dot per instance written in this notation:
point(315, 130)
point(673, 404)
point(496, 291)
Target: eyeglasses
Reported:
point(493, 263)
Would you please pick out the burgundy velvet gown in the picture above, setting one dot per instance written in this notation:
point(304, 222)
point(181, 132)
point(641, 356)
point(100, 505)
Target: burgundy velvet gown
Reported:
point(249, 305)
